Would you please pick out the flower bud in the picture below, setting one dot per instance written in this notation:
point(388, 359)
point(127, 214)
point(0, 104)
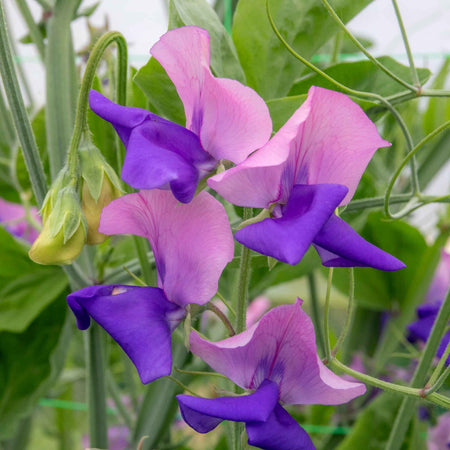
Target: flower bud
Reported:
point(101, 185)
point(64, 233)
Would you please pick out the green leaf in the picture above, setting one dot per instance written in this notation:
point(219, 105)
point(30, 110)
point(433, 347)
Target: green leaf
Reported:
point(361, 76)
point(377, 420)
point(26, 296)
point(306, 25)
point(224, 58)
point(30, 363)
point(26, 287)
point(160, 92)
point(376, 289)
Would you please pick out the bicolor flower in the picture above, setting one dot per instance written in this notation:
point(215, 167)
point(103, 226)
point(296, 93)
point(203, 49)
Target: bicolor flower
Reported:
point(13, 217)
point(311, 166)
point(276, 360)
point(224, 120)
point(141, 319)
point(427, 313)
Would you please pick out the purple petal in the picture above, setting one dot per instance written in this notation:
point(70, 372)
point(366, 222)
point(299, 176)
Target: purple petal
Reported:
point(139, 319)
point(279, 432)
point(339, 245)
point(230, 118)
point(181, 236)
point(289, 237)
point(160, 154)
point(281, 347)
point(204, 414)
point(13, 218)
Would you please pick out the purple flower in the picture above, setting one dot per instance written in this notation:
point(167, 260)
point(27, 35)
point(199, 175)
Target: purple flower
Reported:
point(439, 436)
point(141, 319)
point(118, 438)
point(224, 120)
point(276, 360)
point(311, 166)
point(427, 313)
point(13, 218)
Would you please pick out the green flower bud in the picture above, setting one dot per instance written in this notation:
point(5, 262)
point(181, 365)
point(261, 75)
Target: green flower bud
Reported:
point(64, 232)
point(100, 186)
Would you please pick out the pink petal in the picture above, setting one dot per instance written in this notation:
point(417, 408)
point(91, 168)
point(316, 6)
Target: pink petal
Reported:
point(328, 140)
point(257, 181)
point(230, 118)
point(13, 218)
point(281, 347)
point(182, 237)
point(337, 142)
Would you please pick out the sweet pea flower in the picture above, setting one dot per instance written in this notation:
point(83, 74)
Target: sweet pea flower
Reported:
point(276, 360)
point(141, 319)
point(311, 166)
point(13, 218)
point(224, 120)
point(427, 313)
point(439, 436)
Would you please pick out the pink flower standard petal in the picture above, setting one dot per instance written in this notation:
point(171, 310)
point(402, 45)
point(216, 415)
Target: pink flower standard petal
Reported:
point(181, 236)
point(281, 347)
point(230, 118)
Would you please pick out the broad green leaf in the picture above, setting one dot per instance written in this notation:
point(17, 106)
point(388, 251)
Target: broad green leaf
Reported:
point(135, 96)
point(27, 295)
point(306, 25)
point(30, 362)
point(373, 425)
point(160, 92)
point(26, 287)
point(224, 58)
point(361, 76)
point(379, 290)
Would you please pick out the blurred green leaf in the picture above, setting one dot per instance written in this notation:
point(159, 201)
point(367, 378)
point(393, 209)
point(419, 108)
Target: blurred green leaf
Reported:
point(373, 425)
point(306, 25)
point(361, 76)
point(381, 290)
point(26, 287)
point(30, 362)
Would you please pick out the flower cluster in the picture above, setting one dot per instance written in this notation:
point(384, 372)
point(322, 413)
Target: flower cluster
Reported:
point(298, 177)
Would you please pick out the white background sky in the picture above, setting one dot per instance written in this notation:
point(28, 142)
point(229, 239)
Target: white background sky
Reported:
point(142, 22)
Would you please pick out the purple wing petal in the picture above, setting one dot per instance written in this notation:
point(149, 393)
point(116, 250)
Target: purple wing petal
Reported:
point(281, 347)
point(13, 218)
point(139, 319)
point(289, 237)
point(279, 432)
point(181, 236)
point(337, 142)
point(230, 118)
point(204, 414)
point(344, 247)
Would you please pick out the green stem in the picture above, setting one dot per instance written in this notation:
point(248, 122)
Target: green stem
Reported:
point(439, 382)
point(407, 409)
point(414, 75)
point(243, 282)
point(411, 393)
point(6, 124)
point(142, 247)
point(19, 115)
point(326, 317)
point(363, 50)
point(336, 48)
point(115, 394)
point(98, 427)
point(223, 318)
point(199, 372)
point(182, 385)
point(226, 303)
point(83, 98)
point(350, 312)
point(435, 375)
point(316, 313)
point(59, 62)
point(35, 32)
point(408, 157)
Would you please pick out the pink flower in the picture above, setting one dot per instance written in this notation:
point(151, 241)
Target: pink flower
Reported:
point(13, 218)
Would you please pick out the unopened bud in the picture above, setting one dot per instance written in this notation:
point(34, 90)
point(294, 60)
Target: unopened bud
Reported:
point(101, 185)
point(64, 233)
